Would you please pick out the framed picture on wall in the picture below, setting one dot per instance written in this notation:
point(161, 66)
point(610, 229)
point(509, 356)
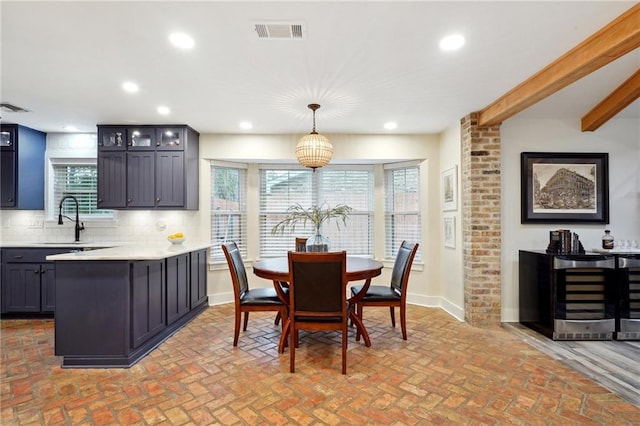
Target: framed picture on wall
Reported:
point(450, 232)
point(450, 189)
point(561, 187)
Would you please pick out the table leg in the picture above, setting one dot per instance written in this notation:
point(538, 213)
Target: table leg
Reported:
point(284, 298)
point(353, 315)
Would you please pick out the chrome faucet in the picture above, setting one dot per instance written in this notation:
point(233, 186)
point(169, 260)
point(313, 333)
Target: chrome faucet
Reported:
point(79, 226)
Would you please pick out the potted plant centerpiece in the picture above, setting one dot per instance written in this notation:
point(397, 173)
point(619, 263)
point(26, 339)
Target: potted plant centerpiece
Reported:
point(317, 215)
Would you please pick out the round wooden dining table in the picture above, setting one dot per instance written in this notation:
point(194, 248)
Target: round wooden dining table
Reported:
point(276, 269)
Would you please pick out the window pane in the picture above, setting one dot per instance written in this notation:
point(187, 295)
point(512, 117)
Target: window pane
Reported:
point(228, 209)
point(402, 208)
point(80, 181)
point(282, 188)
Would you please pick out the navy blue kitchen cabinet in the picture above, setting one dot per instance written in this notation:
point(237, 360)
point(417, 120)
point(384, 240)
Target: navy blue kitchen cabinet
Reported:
point(22, 167)
point(148, 308)
point(198, 277)
point(140, 179)
point(28, 280)
point(161, 167)
point(178, 286)
point(112, 174)
point(111, 313)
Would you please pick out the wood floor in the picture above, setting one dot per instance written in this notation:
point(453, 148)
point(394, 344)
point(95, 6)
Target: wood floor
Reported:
point(613, 364)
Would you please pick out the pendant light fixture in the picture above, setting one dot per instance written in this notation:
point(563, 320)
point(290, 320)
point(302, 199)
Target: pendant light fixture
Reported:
point(314, 150)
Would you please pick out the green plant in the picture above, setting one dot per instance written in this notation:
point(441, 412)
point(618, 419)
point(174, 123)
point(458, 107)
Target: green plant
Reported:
point(317, 215)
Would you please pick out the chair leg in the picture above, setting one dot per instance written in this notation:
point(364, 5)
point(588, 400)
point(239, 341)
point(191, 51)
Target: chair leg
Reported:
point(292, 347)
point(345, 340)
point(393, 316)
point(403, 322)
point(246, 321)
point(277, 320)
point(236, 329)
point(359, 308)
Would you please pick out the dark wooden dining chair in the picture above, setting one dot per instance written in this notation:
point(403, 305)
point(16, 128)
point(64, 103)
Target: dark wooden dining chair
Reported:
point(317, 298)
point(246, 299)
point(301, 244)
point(394, 295)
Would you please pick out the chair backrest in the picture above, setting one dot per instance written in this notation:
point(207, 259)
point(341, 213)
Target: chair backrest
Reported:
point(236, 268)
point(402, 266)
point(301, 244)
point(318, 283)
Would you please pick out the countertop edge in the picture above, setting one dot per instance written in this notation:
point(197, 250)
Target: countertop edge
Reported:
point(132, 252)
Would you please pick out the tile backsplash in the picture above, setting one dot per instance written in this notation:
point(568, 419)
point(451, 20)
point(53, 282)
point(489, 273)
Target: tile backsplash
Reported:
point(129, 226)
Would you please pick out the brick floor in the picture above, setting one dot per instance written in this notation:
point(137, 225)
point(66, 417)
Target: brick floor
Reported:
point(446, 373)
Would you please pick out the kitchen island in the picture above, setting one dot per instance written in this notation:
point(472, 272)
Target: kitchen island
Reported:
point(115, 305)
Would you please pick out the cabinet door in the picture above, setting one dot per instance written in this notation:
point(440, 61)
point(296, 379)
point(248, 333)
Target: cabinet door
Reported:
point(169, 179)
point(170, 138)
point(112, 138)
point(140, 179)
point(8, 178)
point(21, 287)
point(147, 301)
point(141, 138)
point(8, 137)
point(178, 301)
point(198, 277)
point(112, 180)
point(48, 287)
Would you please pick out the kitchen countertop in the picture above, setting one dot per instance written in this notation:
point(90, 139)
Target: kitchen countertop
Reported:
point(147, 251)
point(617, 251)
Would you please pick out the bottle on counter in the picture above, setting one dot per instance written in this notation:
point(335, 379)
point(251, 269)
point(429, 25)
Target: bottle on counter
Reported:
point(607, 240)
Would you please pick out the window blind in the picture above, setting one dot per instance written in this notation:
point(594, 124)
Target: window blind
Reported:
point(281, 187)
point(228, 209)
point(402, 208)
point(80, 181)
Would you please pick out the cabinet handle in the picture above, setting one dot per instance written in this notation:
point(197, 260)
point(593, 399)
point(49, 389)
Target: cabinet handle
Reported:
point(36, 271)
point(129, 200)
point(157, 199)
point(43, 271)
point(157, 143)
point(99, 200)
point(18, 256)
point(10, 199)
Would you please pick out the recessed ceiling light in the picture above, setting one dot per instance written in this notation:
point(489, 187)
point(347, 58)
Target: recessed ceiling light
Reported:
point(390, 125)
point(246, 125)
point(181, 40)
point(70, 128)
point(452, 42)
point(130, 86)
point(163, 110)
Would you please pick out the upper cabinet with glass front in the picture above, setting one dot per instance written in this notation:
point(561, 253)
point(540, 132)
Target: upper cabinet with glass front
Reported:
point(170, 138)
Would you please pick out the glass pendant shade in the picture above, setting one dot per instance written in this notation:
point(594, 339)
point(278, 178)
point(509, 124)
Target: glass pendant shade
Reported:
point(314, 150)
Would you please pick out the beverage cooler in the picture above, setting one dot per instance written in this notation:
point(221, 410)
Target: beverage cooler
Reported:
point(628, 321)
point(568, 296)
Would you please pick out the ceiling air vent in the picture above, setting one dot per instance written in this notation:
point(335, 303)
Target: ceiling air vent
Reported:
point(7, 107)
point(279, 30)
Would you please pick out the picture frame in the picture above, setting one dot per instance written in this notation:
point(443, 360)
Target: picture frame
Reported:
point(563, 187)
point(449, 232)
point(450, 189)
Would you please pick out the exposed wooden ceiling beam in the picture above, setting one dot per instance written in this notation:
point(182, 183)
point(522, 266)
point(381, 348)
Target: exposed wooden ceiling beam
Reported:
point(618, 100)
point(616, 39)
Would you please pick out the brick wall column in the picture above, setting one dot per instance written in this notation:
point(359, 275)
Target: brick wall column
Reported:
point(481, 222)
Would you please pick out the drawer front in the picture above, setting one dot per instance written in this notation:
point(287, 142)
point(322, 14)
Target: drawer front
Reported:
point(31, 255)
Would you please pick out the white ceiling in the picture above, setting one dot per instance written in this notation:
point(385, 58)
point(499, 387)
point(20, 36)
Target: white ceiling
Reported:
point(365, 62)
